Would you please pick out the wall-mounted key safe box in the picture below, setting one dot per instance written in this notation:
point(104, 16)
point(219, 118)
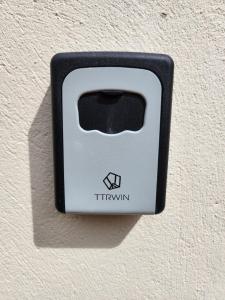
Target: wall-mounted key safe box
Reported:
point(111, 122)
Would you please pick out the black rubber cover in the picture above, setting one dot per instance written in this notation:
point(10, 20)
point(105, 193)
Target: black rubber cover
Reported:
point(64, 63)
point(111, 111)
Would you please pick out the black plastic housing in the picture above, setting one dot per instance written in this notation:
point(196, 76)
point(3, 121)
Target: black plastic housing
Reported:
point(63, 63)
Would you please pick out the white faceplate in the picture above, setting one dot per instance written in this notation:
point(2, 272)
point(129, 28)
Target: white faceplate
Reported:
point(90, 155)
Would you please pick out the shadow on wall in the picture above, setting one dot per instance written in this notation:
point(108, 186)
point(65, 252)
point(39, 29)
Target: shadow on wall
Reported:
point(51, 228)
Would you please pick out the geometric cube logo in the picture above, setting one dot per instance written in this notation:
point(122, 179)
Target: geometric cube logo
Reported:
point(112, 181)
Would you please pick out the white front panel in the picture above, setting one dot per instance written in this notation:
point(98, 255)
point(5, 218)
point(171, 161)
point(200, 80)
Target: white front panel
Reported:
point(90, 155)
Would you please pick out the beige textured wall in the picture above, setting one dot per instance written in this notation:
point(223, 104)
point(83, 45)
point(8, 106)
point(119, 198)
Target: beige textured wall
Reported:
point(179, 254)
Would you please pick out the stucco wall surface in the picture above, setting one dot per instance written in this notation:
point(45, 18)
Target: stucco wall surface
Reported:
point(179, 254)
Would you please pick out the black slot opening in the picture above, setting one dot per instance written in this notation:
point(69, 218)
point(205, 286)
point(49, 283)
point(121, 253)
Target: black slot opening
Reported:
point(111, 111)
